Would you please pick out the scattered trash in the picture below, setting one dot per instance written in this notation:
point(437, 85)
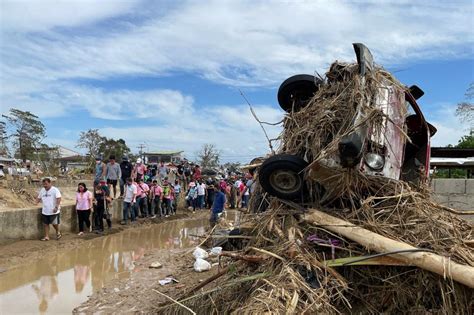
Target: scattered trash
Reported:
point(200, 253)
point(351, 165)
point(116, 290)
point(167, 280)
point(156, 265)
point(201, 265)
point(216, 251)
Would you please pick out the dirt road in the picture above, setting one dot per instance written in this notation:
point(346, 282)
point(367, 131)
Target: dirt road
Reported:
point(57, 276)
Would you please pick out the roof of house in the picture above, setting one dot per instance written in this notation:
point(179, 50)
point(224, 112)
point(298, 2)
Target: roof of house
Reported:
point(451, 152)
point(73, 158)
point(452, 162)
point(62, 151)
point(6, 159)
point(65, 152)
point(163, 153)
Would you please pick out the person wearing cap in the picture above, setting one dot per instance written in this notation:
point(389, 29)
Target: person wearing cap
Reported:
point(114, 173)
point(100, 170)
point(219, 203)
point(126, 169)
point(192, 196)
point(139, 170)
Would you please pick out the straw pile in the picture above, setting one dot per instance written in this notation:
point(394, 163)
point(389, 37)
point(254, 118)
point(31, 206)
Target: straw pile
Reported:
point(292, 266)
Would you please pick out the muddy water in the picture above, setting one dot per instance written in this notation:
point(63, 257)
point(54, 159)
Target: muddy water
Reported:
point(61, 282)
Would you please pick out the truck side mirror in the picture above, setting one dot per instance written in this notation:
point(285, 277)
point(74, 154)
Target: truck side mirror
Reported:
point(364, 58)
point(416, 92)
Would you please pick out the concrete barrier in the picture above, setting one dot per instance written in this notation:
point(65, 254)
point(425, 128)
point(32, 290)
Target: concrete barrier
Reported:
point(26, 223)
point(455, 193)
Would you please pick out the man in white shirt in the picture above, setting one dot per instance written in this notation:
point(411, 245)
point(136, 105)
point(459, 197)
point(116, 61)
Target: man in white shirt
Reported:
point(201, 192)
point(50, 197)
point(129, 200)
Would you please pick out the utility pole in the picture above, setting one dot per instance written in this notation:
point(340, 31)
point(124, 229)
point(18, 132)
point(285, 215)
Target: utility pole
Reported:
point(141, 146)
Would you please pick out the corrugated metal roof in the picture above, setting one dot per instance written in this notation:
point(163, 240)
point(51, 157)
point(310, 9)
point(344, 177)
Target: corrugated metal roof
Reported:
point(452, 161)
point(163, 153)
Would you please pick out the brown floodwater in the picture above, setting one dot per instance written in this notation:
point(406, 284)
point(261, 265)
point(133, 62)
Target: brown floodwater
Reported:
point(61, 282)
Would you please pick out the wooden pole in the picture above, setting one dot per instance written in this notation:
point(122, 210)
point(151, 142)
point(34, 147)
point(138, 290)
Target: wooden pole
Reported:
point(440, 265)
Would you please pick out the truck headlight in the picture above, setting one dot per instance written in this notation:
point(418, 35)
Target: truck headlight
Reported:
point(374, 161)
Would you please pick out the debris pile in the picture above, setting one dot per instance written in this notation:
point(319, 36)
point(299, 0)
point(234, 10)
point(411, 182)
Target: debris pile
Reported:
point(375, 245)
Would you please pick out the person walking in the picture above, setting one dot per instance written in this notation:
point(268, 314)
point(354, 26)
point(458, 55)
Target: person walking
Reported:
point(187, 175)
point(201, 191)
point(101, 199)
point(162, 171)
point(219, 203)
point(50, 197)
point(139, 170)
point(197, 174)
point(142, 198)
point(129, 200)
point(126, 169)
point(177, 192)
point(192, 196)
point(172, 200)
point(100, 170)
point(156, 196)
point(83, 207)
point(114, 173)
point(210, 193)
point(167, 198)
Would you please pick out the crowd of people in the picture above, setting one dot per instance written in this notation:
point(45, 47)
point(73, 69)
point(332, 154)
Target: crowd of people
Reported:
point(147, 191)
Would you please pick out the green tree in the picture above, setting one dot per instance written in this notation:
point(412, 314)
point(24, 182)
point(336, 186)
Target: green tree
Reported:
point(98, 145)
point(27, 132)
point(91, 141)
point(111, 146)
point(466, 142)
point(465, 110)
point(208, 156)
point(3, 139)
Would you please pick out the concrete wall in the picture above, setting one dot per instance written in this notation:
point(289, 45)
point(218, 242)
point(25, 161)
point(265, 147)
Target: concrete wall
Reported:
point(26, 223)
point(455, 193)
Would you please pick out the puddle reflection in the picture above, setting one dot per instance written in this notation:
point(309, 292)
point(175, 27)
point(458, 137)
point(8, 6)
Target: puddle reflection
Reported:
point(62, 281)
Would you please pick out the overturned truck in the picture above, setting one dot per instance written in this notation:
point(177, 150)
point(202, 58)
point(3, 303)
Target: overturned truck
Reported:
point(341, 219)
point(363, 120)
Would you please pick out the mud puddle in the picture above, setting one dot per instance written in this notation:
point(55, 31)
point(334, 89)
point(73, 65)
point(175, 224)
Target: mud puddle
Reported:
point(57, 284)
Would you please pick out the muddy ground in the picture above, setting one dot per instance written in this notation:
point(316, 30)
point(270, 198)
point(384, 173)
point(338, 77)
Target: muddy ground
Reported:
point(137, 294)
point(19, 194)
point(14, 253)
point(122, 295)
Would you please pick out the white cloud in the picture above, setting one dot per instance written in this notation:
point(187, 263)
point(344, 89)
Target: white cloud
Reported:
point(450, 129)
point(46, 45)
point(231, 128)
point(244, 42)
point(42, 15)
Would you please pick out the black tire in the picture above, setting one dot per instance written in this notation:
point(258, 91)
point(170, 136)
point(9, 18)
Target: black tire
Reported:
point(297, 90)
point(282, 176)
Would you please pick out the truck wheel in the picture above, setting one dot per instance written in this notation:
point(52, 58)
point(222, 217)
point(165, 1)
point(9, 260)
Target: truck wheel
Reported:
point(282, 176)
point(296, 91)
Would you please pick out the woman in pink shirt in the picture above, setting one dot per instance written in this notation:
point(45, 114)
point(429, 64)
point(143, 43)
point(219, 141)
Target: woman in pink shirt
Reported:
point(83, 206)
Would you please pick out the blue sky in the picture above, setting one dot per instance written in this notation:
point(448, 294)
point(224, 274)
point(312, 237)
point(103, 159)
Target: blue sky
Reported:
point(168, 73)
